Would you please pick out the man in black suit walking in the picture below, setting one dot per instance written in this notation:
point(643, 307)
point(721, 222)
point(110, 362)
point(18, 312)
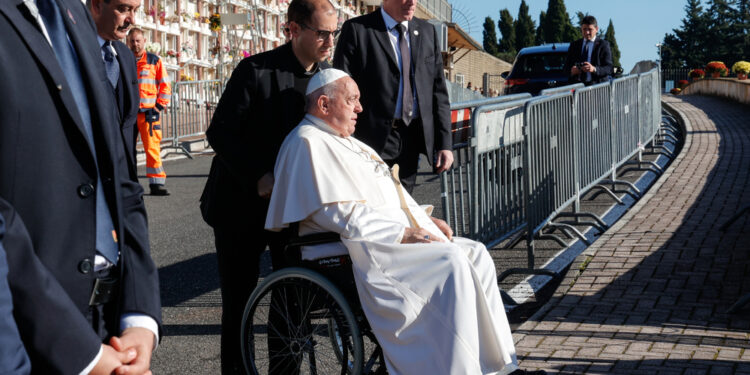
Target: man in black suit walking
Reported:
point(112, 26)
point(589, 59)
point(396, 61)
point(263, 101)
point(95, 303)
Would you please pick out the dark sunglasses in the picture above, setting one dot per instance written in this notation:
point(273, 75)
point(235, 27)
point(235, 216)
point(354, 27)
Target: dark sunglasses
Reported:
point(322, 34)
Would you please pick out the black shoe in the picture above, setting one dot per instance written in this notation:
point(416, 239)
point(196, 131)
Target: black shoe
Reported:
point(157, 189)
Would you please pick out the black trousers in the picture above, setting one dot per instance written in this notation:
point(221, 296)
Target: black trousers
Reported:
point(239, 246)
point(402, 147)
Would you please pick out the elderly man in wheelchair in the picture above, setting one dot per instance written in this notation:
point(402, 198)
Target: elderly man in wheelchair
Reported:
point(425, 302)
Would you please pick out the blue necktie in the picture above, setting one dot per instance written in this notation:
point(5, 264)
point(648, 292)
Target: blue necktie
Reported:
point(585, 56)
point(68, 60)
point(111, 64)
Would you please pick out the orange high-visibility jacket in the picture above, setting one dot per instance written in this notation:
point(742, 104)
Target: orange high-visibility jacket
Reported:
point(153, 82)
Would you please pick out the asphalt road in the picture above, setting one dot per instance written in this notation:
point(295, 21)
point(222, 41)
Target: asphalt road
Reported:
point(182, 246)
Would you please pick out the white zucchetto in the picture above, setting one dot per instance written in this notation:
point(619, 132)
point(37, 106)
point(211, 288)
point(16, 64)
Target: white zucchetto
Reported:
point(323, 78)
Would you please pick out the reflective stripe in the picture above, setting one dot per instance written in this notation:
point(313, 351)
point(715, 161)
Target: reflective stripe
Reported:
point(157, 180)
point(159, 170)
point(164, 96)
point(142, 81)
point(148, 100)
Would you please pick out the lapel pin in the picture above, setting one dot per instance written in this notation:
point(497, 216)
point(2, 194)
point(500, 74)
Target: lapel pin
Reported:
point(70, 15)
point(416, 32)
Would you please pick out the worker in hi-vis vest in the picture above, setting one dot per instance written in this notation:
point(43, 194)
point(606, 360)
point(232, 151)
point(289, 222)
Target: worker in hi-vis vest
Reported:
point(153, 82)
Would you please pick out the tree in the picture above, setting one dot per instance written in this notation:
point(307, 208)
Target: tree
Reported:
point(524, 27)
point(508, 40)
point(609, 36)
point(489, 36)
point(687, 47)
point(557, 26)
point(720, 16)
point(539, 38)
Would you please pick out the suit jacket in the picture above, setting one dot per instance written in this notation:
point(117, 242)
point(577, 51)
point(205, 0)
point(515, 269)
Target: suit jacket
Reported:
point(258, 108)
point(365, 52)
point(601, 59)
point(13, 358)
point(128, 98)
point(48, 173)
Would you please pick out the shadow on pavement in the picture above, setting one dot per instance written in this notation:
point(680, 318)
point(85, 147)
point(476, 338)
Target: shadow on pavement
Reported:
point(186, 280)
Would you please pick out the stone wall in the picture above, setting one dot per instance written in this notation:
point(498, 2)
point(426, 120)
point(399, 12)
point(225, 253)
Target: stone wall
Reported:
point(725, 87)
point(475, 64)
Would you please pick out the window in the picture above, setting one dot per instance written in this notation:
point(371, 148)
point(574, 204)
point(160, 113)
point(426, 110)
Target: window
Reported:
point(459, 79)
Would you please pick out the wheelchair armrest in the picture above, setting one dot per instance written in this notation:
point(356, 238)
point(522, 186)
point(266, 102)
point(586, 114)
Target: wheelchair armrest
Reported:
point(291, 247)
point(314, 239)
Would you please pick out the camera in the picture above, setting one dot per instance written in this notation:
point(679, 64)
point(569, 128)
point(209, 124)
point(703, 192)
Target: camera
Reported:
point(579, 65)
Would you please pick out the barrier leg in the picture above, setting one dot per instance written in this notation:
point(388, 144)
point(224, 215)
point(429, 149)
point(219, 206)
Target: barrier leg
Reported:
point(606, 190)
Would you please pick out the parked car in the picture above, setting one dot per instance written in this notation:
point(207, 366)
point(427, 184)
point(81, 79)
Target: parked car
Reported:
point(537, 68)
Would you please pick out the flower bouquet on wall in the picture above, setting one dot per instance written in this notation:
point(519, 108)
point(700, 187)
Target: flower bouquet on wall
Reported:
point(681, 84)
point(741, 69)
point(675, 91)
point(716, 69)
point(696, 74)
point(153, 47)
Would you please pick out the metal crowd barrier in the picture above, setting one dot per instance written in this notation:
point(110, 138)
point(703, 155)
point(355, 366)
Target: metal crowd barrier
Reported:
point(189, 113)
point(498, 204)
point(457, 192)
point(550, 162)
point(573, 139)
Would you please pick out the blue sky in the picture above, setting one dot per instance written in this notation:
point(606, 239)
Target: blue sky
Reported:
point(639, 24)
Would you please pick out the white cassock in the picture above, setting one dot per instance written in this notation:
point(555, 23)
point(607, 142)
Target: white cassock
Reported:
point(435, 308)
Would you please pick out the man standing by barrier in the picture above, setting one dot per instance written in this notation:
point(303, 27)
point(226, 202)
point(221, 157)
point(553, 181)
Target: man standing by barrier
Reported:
point(589, 59)
point(396, 61)
point(112, 25)
point(153, 81)
point(263, 101)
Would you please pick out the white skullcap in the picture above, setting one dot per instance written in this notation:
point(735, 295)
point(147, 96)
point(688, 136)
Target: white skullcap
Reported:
point(323, 78)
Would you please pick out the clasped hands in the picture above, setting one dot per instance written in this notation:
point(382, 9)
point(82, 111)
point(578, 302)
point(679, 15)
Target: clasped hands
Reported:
point(128, 354)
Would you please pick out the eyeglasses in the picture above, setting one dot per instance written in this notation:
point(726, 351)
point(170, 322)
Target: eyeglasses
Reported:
point(322, 34)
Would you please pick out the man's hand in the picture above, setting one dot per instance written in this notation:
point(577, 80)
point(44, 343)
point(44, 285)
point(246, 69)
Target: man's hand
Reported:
point(444, 227)
point(141, 340)
point(414, 235)
point(444, 161)
point(574, 71)
point(265, 185)
point(112, 359)
point(587, 67)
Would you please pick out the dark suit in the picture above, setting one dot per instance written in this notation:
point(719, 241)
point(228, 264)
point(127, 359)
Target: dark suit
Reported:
point(258, 108)
point(601, 59)
point(365, 52)
point(13, 357)
point(128, 98)
point(48, 172)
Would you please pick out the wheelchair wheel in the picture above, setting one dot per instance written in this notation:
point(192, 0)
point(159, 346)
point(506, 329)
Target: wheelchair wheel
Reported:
point(298, 322)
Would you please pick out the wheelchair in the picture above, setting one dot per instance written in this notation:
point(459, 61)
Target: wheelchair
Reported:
point(306, 318)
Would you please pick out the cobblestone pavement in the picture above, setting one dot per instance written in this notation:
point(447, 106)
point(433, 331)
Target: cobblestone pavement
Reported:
point(650, 296)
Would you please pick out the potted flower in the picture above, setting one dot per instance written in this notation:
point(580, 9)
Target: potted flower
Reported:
point(675, 91)
point(682, 83)
point(214, 22)
point(716, 69)
point(697, 74)
point(741, 69)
